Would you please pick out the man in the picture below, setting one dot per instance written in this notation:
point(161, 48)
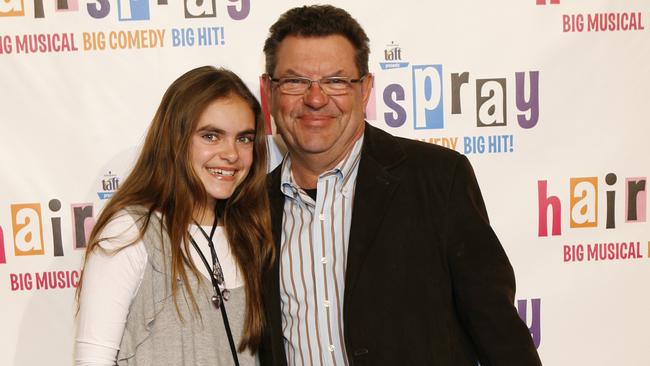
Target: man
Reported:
point(386, 256)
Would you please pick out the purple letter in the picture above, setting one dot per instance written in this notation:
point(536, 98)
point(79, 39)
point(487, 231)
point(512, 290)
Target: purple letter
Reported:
point(532, 104)
point(390, 103)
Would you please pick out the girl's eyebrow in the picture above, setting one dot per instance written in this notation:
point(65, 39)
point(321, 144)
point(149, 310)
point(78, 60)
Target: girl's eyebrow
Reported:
point(247, 132)
point(211, 128)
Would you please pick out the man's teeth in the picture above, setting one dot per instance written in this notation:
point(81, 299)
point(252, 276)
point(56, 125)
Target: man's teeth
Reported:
point(226, 173)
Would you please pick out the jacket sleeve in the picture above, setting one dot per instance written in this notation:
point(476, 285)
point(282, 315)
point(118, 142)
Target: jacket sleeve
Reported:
point(482, 278)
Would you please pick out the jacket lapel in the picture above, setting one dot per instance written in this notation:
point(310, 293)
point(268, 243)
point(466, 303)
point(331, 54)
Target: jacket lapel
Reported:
point(276, 201)
point(374, 190)
point(272, 282)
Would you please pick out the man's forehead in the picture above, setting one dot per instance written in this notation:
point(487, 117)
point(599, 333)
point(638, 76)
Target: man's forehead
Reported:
point(331, 52)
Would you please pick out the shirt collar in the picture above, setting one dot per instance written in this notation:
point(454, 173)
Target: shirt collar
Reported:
point(344, 171)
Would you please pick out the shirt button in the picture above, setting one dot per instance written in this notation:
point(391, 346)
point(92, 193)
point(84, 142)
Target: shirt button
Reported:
point(321, 217)
point(323, 260)
point(326, 303)
point(331, 348)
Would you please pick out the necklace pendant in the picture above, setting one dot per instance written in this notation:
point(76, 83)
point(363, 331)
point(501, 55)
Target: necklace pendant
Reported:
point(218, 275)
point(216, 301)
point(225, 294)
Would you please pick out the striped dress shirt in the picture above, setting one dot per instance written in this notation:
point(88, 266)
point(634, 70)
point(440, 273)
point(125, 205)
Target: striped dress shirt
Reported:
point(313, 257)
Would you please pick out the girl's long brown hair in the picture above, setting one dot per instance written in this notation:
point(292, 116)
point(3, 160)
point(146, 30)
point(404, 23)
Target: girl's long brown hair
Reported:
point(163, 181)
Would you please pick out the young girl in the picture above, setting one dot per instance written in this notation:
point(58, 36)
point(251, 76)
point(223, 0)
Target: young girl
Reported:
point(173, 268)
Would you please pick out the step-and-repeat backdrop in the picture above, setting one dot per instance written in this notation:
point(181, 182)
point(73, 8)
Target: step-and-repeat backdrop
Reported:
point(547, 98)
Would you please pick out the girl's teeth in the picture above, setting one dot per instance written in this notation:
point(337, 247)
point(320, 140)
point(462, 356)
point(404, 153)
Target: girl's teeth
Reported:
point(228, 173)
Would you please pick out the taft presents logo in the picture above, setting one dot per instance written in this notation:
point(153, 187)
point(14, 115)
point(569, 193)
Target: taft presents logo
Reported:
point(393, 57)
point(127, 10)
point(29, 222)
point(110, 184)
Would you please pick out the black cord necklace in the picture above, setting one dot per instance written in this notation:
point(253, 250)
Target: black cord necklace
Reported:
point(217, 279)
point(217, 270)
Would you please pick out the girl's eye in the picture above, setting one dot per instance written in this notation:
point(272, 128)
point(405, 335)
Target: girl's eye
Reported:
point(246, 139)
point(210, 137)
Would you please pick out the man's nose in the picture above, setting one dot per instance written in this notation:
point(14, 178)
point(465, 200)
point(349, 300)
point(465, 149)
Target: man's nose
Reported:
point(315, 97)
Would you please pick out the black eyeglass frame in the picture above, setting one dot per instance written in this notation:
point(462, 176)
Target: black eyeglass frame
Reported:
point(307, 82)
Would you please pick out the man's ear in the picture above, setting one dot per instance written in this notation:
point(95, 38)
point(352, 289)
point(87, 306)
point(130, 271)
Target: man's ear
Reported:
point(366, 88)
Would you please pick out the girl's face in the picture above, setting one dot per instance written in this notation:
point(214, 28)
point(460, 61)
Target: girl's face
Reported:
point(221, 149)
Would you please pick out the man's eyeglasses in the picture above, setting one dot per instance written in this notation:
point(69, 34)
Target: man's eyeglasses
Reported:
point(334, 85)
